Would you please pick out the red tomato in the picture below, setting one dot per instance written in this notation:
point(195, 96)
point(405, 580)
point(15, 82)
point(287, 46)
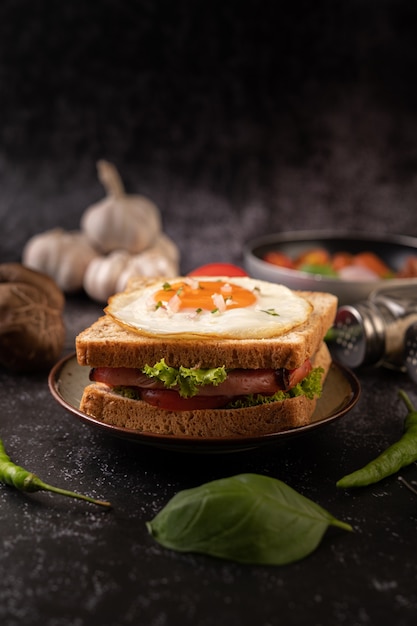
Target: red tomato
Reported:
point(341, 259)
point(316, 256)
point(171, 400)
point(409, 268)
point(278, 258)
point(372, 262)
point(297, 375)
point(218, 269)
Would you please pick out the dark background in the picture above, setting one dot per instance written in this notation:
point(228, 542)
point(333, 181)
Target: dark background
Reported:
point(241, 115)
point(238, 118)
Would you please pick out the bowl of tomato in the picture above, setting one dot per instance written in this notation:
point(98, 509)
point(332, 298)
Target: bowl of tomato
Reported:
point(348, 264)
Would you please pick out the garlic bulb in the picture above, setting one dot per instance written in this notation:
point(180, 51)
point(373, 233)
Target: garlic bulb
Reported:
point(108, 274)
point(167, 247)
point(120, 236)
point(102, 274)
point(120, 221)
point(148, 264)
point(62, 255)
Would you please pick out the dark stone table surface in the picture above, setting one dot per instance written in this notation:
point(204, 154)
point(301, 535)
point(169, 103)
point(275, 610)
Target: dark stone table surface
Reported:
point(237, 119)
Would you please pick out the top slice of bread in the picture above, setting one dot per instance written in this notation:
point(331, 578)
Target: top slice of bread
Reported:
point(109, 344)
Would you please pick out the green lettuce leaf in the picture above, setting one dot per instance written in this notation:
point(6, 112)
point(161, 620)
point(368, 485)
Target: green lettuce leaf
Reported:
point(186, 379)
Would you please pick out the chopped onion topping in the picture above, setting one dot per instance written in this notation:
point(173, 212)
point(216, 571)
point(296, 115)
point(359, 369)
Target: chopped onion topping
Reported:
point(192, 282)
point(174, 303)
point(219, 302)
point(226, 288)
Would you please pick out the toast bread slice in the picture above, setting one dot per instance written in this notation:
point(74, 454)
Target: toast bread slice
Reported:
point(108, 343)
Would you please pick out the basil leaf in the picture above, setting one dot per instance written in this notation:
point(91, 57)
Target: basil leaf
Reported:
point(248, 518)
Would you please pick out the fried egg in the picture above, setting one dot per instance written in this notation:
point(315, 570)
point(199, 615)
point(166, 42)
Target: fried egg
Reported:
point(212, 306)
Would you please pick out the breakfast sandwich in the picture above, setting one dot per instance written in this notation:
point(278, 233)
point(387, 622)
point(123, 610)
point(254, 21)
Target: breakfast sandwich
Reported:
point(210, 357)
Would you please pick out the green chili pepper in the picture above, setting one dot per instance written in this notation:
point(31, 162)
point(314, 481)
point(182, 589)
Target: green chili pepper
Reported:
point(16, 476)
point(248, 518)
point(400, 454)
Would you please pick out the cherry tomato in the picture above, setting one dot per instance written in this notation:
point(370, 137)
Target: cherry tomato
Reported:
point(341, 259)
point(372, 262)
point(409, 268)
point(316, 256)
point(171, 400)
point(218, 269)
point(278, 258)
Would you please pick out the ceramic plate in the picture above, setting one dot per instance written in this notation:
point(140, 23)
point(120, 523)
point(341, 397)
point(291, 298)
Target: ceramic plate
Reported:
point(67, 380)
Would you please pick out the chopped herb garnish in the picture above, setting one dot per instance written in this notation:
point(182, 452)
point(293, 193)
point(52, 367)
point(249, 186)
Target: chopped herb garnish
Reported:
point(199, 310)
point(158, 305)
point(166, 287)
point(216, 310)
point(270, 312)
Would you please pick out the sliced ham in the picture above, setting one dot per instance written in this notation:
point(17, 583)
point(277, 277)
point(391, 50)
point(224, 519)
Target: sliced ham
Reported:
point(239, 382)
point(124, 377)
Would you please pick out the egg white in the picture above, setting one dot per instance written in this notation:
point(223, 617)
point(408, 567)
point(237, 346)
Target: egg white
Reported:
point(276, 311)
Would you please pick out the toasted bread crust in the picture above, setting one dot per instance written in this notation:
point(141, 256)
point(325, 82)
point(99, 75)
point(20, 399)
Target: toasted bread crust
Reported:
point(105, 406)
point(107, 343)
point(114, 410)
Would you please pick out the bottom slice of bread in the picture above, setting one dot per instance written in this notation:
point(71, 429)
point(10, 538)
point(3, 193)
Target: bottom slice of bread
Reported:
point(108, 407)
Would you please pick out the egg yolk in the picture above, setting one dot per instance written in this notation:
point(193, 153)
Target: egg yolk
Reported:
point(205, 295)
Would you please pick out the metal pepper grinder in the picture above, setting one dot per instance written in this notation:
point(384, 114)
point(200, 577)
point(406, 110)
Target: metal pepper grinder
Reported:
point(379, 331)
